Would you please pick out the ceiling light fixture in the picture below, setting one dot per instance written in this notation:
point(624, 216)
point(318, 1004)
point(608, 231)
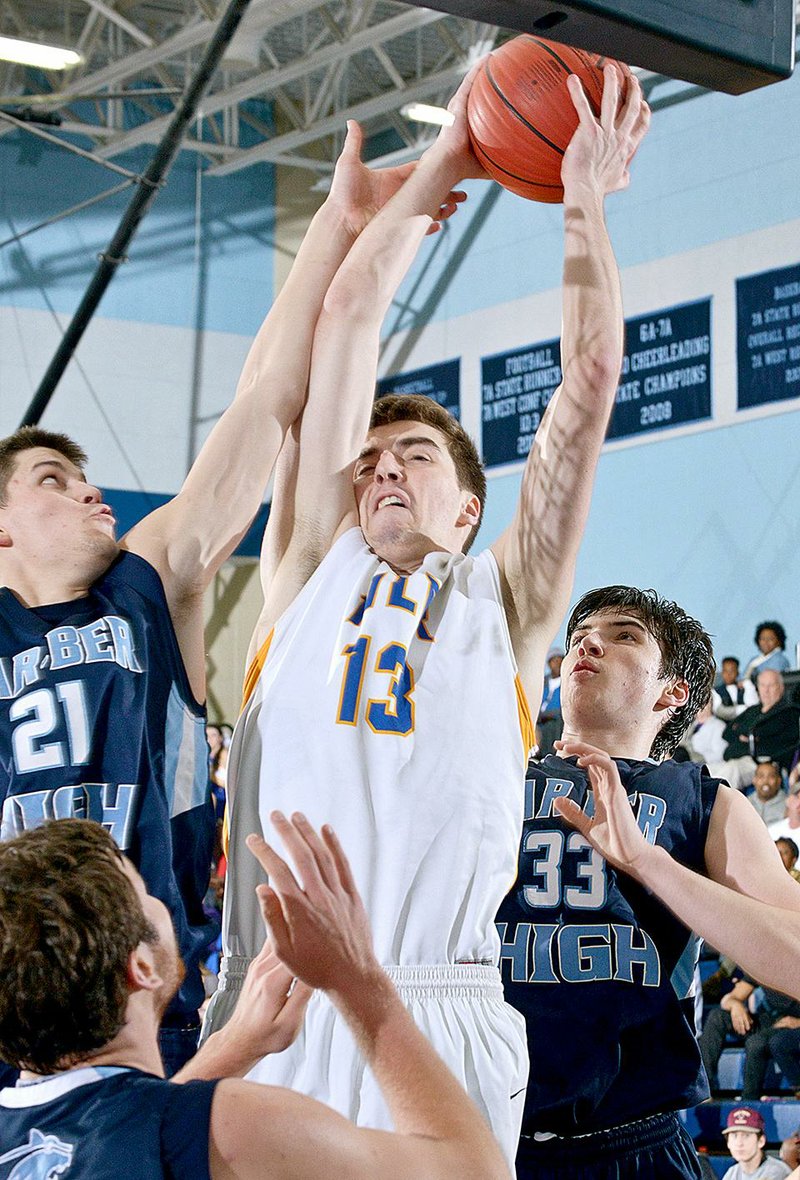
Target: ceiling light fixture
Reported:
point(421, 112)
point(31, 53)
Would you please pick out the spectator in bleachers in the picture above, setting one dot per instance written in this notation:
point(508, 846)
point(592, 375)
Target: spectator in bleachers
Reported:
point(550, 724)
point(789, 852)
point(790, 1149)
point(790, 824)
point(746, 1139)
point(768, 796)
point(734, 695)
point(770, 639)
point(754, 1030)
point(703, 741)
point(767, 731)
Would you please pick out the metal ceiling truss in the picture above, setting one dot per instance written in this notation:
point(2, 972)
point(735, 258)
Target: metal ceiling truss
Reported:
point(294, 73)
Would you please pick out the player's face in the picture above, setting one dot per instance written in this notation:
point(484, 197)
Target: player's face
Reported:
point(610, 678)
point(745, 1146)
point(408, 496)
point(165, 950)
point(52, 515)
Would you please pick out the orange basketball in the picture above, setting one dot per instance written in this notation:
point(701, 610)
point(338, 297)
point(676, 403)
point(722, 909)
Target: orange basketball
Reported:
point(521, 116)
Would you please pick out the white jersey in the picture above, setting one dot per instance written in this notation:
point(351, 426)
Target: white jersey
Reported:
point(389, 706)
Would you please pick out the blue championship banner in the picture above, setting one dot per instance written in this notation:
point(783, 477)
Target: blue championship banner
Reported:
point(442, 382)
point(768, 336)
point(666, 370)
point(515, 389)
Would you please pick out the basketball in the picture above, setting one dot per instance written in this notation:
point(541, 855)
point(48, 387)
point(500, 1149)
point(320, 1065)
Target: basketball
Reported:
point(521, 116)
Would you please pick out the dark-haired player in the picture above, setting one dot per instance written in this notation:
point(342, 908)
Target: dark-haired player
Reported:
point(391, 671)
point(102, 659)
point(89, 960)
point(599, 966)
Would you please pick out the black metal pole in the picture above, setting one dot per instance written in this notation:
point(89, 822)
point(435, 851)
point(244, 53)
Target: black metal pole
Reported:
point(152, 179)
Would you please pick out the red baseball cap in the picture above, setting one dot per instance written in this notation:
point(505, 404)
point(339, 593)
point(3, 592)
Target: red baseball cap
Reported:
point(742, 1118)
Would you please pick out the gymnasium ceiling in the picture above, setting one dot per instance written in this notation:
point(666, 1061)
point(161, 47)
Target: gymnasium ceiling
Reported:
point(294, 72)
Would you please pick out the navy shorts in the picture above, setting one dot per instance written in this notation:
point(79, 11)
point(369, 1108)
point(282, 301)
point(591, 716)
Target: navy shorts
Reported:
point(658, 1148)
point(178, 1044)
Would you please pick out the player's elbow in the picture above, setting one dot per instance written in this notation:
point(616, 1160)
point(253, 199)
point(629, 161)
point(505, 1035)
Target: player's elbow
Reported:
point(350, 297)
point(594, 371)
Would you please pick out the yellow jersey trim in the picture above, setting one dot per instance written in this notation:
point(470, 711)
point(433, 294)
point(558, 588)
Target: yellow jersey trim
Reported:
point(526, 725)
point(254, 671)
point(250, 682)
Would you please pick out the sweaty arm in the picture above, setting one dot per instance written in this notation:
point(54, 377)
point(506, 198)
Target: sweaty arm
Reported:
point(320, 932)
point(537, 553)
point(316, 501)
point(759, 929)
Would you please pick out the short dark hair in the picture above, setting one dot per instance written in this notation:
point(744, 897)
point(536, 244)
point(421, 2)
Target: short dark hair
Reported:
point(685, 646)
point(25, 439)
point(729, 660)
point(415, 407)
point(69, 919)
point(771, 625)
point(790, 844)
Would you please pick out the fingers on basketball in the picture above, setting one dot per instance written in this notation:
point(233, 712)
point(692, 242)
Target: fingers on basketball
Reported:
point(522, 115)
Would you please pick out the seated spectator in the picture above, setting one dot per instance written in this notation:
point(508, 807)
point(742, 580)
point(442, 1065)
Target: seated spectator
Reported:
point(767, 731)
point(746, 1140)
point(550, 723)
point(790, 824)
point(768, 796)
point(790, 1149)
point(788, 852)
point(703, 741)
point(734, 696)
point(754, 1030)
point(770, 639)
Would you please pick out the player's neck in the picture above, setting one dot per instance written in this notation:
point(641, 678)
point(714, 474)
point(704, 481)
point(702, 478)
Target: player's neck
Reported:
point(36, 586)
point(616, 742)
point(136, 1043)
point(406, 560)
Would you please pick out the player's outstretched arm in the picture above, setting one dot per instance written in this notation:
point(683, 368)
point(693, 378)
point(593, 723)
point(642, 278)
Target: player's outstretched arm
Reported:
point(537, 553)
point(759, 932)
point(345, 358)
point(188, 539)
point(319, 929)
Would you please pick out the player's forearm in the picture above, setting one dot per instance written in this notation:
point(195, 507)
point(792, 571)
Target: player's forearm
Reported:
point(220, 1056)
point(379, 260)
point(593, 330)
point(761, 938)
point(277, 364)
point(422, 1094)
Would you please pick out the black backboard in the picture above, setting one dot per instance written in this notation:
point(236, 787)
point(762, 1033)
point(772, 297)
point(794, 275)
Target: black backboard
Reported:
point(728, 45)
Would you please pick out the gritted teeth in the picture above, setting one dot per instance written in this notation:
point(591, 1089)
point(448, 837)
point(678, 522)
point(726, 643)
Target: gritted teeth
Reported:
point(388, 501)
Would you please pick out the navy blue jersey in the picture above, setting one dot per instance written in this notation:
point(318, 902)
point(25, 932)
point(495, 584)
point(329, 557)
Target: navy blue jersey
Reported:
point(97, 720)
point(600, 969)
point(105, 1122)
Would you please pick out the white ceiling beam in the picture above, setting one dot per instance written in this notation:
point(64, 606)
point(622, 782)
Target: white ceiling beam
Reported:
point(120, 21)
point(264, 83)
point(368, 109)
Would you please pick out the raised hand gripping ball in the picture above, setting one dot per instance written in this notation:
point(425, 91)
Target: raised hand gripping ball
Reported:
point(521, 116)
